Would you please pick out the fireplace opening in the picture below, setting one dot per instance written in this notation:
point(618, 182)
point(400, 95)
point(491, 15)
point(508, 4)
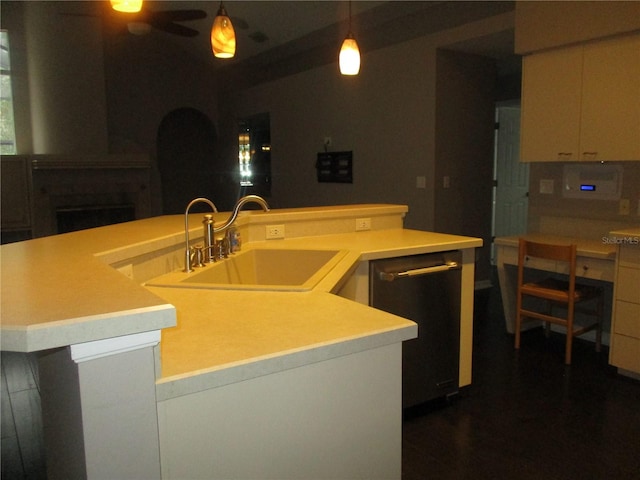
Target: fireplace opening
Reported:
point(80, 217)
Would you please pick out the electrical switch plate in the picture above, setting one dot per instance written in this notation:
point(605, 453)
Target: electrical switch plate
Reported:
point(624, 207)
point(446, 181)
point(421, 182)
point(546, 186)
point(275, 231)
point(363, 224)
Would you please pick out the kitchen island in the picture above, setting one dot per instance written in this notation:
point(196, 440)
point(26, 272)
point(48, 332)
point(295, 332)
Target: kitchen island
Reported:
point(149, 382)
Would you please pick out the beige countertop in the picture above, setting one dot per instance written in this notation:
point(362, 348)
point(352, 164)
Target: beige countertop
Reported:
point(631, 233)
point(221, 331)
point(585, 246)
point(61, 290)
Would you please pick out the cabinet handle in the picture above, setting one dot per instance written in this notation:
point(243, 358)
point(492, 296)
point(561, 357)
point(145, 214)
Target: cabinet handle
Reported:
point(391, 276)
point(563, 155)
point(589, 154)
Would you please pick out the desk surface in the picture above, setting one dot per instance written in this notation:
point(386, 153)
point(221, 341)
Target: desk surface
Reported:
point(586, 247)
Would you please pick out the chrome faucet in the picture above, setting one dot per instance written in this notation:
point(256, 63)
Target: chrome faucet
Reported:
point(198, 254)
point(222, 242)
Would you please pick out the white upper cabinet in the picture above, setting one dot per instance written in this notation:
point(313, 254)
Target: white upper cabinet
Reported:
point(582, 103)
point(551, 96)
point(610, 128)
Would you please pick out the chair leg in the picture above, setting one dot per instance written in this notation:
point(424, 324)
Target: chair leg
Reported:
point(517, 329)
point(567, 354)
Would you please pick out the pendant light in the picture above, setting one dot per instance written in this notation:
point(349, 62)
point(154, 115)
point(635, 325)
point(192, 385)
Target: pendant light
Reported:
point(128, 6)
point(349, 53)
point(223, 37)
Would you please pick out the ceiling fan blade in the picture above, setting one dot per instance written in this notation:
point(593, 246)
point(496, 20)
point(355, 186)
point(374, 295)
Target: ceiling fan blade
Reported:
point(186, 15)
point(176, 29)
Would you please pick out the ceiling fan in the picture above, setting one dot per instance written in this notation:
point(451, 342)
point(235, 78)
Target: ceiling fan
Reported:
point(141, 22)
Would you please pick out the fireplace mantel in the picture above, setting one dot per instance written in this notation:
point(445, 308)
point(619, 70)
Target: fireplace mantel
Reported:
point(48, 183)
point(86, 162)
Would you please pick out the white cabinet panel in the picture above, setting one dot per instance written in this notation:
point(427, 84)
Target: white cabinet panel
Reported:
point(551, 95)
point(582, 103)
point(624, 352)
point(610, 126)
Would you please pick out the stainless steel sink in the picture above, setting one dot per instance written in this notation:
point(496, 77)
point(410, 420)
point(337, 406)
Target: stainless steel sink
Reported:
point(259, 269)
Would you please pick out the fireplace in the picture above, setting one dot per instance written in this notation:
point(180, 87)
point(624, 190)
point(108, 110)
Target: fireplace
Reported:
point(73, 193)
point(70, 219)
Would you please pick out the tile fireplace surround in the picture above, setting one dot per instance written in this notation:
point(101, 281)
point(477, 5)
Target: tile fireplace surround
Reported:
point(91, 183)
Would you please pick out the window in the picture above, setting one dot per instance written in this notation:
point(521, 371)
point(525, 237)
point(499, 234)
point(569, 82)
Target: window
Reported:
point(7, 129)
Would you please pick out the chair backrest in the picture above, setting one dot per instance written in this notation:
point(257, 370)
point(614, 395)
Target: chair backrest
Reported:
point(563, 253)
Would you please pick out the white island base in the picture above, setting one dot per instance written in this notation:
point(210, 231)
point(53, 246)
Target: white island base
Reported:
point(336, 419)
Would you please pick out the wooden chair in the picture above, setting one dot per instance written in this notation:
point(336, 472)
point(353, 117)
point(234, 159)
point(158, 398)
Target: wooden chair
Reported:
point(557, 293)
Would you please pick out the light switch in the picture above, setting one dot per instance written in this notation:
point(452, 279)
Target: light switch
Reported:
point(546, 186)
point(421, 182)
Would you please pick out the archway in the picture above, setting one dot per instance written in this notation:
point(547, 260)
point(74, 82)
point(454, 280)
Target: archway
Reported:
point(186, 146)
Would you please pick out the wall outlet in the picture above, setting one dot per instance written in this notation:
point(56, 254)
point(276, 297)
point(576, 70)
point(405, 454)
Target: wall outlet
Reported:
point(625, 206)
point(546, 186)
point(275, 231)
point(363, 224)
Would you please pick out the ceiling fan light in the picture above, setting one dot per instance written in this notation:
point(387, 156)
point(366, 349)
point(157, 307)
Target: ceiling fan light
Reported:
point(349, 56)
point(223, 36)
point(128, 6)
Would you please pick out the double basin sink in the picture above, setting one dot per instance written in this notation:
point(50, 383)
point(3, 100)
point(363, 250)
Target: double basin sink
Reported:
point(259, 269)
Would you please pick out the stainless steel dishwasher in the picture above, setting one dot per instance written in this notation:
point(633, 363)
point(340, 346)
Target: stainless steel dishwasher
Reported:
point(426, 289)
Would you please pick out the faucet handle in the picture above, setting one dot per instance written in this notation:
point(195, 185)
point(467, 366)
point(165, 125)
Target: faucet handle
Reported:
point(233, 239)
point(198, 256)
point(222, 248)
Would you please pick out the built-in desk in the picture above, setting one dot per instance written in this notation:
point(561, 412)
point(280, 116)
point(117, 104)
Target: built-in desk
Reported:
point(596, 261)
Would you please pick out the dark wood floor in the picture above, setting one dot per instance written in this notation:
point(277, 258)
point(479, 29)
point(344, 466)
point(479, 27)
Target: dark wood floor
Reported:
point(526, 416)
point(21, 428)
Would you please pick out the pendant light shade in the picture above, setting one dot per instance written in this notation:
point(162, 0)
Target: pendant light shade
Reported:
point(349, 53)
point(349, 56)
point(223, 36)
point(128, 6)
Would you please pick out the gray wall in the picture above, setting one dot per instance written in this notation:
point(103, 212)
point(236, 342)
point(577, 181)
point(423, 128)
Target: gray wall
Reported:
point(414, 111)
point(386, 115)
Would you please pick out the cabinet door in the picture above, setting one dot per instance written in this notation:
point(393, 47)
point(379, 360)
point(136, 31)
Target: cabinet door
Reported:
point(551, 96)
point(610, 126)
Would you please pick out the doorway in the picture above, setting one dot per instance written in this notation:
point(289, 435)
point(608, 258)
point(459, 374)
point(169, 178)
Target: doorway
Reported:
point(510, 176)
point(186, 145)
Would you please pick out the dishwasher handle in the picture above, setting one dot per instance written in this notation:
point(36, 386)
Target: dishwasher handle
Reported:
point(391, 276)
